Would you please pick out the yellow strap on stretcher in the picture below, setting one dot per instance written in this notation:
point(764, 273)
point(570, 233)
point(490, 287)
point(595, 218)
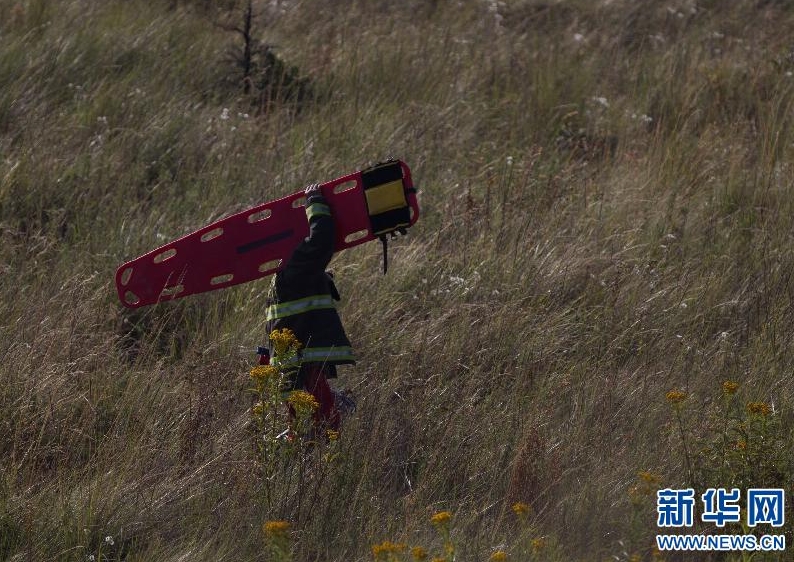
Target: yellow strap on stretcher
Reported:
point(386, 197)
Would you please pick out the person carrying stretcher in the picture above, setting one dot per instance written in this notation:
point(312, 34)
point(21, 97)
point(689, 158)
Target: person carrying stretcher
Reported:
point(301, 299)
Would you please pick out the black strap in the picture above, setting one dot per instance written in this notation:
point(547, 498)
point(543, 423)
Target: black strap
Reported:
point(332, 286)
point(385, 243)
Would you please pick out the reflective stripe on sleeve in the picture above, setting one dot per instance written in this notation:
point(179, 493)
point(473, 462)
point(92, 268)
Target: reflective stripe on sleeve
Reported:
point(299, 306)
point(316, 210)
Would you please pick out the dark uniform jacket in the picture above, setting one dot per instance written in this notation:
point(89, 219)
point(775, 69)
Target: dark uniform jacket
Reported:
point(302, 297)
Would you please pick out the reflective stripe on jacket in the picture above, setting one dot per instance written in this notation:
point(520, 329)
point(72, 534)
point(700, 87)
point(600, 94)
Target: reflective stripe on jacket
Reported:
point(284, 309)
point(325, 355)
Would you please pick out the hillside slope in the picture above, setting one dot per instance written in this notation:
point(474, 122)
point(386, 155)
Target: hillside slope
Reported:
point(606, 218)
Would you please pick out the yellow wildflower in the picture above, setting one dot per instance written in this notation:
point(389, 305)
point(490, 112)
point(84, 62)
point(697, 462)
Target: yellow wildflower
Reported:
point(649, 477)
point(275, 529)
point(675, 396)
point(498, 556)
point(439, 559)
point(730, 387)
point(303, 402)
point(647, 484)
point(441, 518)
point(760, 408)
point(262, 372)
point(635, 558)
point(332, 435)
point(386, 548)
point(284, 341)
point(520, 509)
point(258, 410)
point(419, 553)
point(538, 544)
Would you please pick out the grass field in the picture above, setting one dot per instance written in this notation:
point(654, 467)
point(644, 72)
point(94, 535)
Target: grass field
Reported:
point(606, 218)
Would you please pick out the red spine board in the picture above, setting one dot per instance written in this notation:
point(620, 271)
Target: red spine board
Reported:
point(248, 245)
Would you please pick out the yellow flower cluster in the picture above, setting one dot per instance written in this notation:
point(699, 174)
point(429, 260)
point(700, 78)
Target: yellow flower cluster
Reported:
point(675, 396)
point(284, 341)
point(303, 402)
point(498, 556)
point(419, 553)
point(275, 529)
point(441, 518)
point(649, 477)
point(520, 509)
point(730, 387)
point(538, 544)
point(387, 548)
point(759, 408)
point(261, 373)
point(332, 435)
point(647, 485)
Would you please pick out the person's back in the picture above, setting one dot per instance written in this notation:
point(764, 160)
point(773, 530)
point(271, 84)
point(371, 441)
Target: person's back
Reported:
point(301, 299)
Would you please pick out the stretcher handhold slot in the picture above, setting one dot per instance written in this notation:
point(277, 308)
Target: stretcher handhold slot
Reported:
point(269, 265)
point(212, 234)
point(346, 186)
point(259, 216)
point(166, 255)
point(357, 235)
point(125, 276)
point(221, 279)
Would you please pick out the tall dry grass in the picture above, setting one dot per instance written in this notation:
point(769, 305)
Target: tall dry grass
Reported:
point(605, 217)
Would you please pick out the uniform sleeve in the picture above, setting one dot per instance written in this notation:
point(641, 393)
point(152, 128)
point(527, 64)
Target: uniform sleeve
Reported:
point(314, 253)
